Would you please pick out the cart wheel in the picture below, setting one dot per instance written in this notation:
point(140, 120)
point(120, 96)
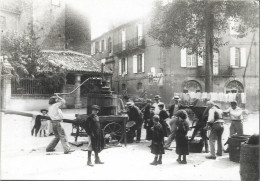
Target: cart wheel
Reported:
point(113, 131)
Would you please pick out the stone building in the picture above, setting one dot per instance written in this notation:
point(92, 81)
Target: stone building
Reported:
point(143, 69)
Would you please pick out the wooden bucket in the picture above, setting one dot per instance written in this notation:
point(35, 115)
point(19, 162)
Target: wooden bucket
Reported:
point(249, 162)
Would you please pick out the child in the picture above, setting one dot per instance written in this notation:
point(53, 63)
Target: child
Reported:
point(44, 123)
point(163, 116)
point(157, 141)
point(182, 128)
point(93, 128)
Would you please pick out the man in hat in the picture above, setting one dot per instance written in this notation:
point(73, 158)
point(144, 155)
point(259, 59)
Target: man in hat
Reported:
point(172, 110)
point(175, 106)
point(95, 135)
point(55, 113)
point(135, 115)
point(163, 116)
point(155, 104)
point(147, 118)
point(215, 124)
point(236, 117)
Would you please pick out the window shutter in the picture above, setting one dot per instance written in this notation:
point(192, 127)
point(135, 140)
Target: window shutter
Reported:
point(232, 56)
point(105, 44)
point(153, 71)
point(140, 30)
point(135, 64)
point(200, 58)
point(243, 57)
point(123, 40)
point(143, 62)
point(120, 67)
point(183, 57)
point(100, 46)
point(126, 62)
point(215, 63)
point(93, 48)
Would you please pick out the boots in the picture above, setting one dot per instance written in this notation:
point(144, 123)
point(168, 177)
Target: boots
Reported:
point(160, 160)
point(98, 161)
point(89, 163)
point(183, 160)
point(154, 161)
point(179, 159)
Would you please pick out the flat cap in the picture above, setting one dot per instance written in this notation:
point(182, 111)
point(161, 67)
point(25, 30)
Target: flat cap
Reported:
point(96, 107)
point(157, 97)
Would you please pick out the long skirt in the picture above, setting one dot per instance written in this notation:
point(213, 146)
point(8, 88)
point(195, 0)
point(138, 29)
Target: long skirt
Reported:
point(182, 145)
point(157, 148)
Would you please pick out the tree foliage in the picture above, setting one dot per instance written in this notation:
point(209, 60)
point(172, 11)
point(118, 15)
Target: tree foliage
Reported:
point(183, 23)
point(26, 58)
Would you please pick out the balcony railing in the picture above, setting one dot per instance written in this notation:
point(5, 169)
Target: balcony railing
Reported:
point(223, 70)
point(128, 45)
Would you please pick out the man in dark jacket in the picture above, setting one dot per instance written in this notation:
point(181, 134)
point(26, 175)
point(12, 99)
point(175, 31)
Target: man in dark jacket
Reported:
point(176, 106)
point(95, 133)
point(172, 110)
point(148, 114)
point(135, 115)
point(163, 116)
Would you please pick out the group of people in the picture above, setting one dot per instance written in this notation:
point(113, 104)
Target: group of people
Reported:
point(157, 126)
point(154, 116)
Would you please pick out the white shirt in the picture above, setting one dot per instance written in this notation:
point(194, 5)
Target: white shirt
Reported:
point(55, 112)
point(211, 114)
point(235, 114)
point(156, 109)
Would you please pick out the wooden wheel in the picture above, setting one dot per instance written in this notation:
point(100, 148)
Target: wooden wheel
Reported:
point(113, 131)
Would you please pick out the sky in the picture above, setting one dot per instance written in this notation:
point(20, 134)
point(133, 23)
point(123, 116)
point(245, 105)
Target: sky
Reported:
point(107, 13)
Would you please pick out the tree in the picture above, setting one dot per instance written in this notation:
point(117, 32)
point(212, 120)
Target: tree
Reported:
point(25, 56)
point(196, 23)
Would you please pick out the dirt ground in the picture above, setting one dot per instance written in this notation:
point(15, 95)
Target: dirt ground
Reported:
point(23, 157)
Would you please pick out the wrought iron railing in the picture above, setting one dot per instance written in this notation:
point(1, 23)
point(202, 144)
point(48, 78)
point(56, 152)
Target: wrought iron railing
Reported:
point(30, 86)
point(129, 45)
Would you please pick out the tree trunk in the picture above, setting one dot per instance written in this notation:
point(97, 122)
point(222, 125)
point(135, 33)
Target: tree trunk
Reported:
point(209, 20)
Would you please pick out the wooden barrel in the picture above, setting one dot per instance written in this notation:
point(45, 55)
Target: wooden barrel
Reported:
point(249, 162)
point(108, 103)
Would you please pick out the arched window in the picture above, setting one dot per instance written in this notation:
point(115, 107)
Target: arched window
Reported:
point(234, 86)
point(139, 86)
point(192, 86)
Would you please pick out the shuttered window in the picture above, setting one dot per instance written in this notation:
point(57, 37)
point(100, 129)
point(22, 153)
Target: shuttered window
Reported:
point(183, 57)
point(123, 40)
point(215, 63)
point(237, 57)
point(119, 67)
point(140, 33)
point(135, 64)
point(200, 57)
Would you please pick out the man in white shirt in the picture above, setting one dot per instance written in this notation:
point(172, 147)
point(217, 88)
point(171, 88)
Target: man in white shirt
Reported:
point(155, 104)
point(56, 116)
point(216, 125)
point(236, 117)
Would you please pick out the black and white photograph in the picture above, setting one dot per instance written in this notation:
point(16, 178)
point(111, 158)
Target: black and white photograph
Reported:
point(129, 90)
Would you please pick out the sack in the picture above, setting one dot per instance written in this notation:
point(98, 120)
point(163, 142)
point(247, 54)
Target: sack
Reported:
point(168, 130)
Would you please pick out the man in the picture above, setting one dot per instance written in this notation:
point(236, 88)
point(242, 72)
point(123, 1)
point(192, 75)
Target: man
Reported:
point(135, 115)
point(56, 116)
point(163, 116)
point(95, 133)
point(172, 110)
point(176, 106)
point(148, 114)
point(216, 124)
point(155, 104)
point(235, 114)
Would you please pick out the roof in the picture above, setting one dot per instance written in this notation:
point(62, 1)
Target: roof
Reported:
point(74, 61)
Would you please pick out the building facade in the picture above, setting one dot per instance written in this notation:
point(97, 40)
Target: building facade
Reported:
point(143, 69)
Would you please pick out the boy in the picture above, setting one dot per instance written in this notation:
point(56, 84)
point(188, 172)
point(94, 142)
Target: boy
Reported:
point(96, 139)
point(44, 123)
point(157, 141)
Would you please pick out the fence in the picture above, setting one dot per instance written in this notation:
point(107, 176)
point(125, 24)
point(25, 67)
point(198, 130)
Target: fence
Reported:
point(30, 86)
